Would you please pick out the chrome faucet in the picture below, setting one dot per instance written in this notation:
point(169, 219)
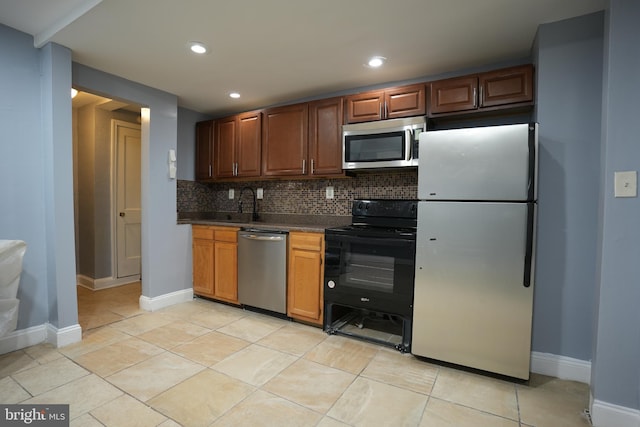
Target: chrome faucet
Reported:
point(254, 215)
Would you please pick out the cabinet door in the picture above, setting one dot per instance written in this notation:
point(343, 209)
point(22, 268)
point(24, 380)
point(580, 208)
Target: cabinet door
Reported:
point(204, 150)
point(248, 149)
point(226, 271)
point(304, 285)
point(224, 147)
point(457, 94)
point(305, 298)
point(284, 141)
point(325, 137)
point(202, 252)
point(406, 101)
point(506, 86)
point(364, 107)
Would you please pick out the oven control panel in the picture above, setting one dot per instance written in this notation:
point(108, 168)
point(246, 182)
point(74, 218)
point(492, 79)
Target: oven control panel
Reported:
point(385, 208)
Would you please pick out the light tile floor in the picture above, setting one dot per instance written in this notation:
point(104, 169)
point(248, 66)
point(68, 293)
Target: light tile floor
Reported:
point(206, 364)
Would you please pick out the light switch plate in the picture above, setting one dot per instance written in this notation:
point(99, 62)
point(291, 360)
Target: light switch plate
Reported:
point(231, 193)
point(626, 184)
point(260, 193)
point(329, 192)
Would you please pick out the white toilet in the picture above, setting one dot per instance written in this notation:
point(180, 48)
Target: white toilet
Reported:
point(11, 255)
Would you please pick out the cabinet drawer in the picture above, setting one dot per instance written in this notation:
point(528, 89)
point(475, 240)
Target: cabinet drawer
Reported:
point(307, 241)
point(200, 232)
point(227, 236)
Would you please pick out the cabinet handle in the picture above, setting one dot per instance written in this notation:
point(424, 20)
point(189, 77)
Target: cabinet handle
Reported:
point(475, 98)
point(304, 166)
point(209, 171)
point(312, 167)
point(481, 95)
point(386, 110)
point(381, 110)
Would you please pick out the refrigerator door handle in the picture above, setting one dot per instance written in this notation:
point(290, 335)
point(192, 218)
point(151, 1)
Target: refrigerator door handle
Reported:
point(528, 255)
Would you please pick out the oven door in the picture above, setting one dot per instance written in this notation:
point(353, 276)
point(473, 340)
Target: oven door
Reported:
point(375, 273)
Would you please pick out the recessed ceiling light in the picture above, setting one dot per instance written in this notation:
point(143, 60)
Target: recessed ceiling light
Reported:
point(234, 95)
point(197, 47)
point(376, 61)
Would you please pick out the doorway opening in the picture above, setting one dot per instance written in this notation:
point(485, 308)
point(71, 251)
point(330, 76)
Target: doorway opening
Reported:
point(107, 163)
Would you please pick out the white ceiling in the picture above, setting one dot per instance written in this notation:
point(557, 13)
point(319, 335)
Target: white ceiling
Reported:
point(274, 51)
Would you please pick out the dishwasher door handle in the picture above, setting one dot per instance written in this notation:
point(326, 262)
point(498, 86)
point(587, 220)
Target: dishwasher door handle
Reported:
point(262, 238)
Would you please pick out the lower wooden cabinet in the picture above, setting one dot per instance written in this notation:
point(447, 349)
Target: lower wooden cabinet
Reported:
point(305, 298)
point(215, 262)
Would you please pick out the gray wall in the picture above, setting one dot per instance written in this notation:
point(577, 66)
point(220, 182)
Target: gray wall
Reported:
point(186, 152)
point(55, 68)
point(86, 152)
point(568, 57)
point(21, 169)
point(36, 175)
point(616, 368)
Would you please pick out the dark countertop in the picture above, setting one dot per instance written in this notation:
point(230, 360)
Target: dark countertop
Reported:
point(288, 222)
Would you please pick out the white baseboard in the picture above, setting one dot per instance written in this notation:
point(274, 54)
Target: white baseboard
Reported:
point(22, 338)
point(34, 335)
point(565, 368)
point(64, 336)
point(104, 282)
point(162, 301)
point(605, 414)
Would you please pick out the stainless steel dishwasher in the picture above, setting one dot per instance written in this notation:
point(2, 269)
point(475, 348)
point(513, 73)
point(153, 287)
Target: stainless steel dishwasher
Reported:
point(262, 269)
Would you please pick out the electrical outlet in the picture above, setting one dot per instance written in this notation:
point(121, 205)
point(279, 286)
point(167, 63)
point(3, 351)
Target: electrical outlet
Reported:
point(626, 184)
point(231, 194)
point(260, 193)
point(329, 192)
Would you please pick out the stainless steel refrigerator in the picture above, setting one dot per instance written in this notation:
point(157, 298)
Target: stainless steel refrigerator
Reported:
point(474, 279)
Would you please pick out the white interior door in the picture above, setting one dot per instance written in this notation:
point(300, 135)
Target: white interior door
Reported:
point(127, 199)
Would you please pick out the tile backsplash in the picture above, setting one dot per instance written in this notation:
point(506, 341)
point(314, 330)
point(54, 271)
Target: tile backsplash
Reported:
point(298, 196)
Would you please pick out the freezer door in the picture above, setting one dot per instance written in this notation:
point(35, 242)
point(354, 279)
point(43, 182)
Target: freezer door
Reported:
point(473, 286)
point(485, 163)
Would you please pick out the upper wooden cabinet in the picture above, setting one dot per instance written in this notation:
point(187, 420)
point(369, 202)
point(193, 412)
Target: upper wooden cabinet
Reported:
point(498, 88)
point(303, 139)
point(404, 101)
point(325, 136)
point(457, 94)
point(225, 147)
point(238, 146)
point(249, 148)
point(506, 86)
point(284, 140)
point(204, 150)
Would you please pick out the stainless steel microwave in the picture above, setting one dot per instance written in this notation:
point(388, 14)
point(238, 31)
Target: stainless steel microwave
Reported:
point(389, 143)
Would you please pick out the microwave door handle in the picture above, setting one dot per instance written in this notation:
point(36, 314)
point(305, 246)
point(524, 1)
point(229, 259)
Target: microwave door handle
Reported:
point(408, 138)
